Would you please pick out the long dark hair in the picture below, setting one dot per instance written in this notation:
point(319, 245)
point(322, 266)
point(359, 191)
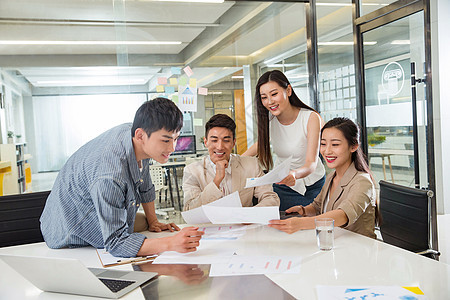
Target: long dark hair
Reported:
point(351, 133)
point(264, 154)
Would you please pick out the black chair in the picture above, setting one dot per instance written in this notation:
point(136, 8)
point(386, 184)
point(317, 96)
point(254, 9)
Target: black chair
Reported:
point(19, 218)
point(405, 218)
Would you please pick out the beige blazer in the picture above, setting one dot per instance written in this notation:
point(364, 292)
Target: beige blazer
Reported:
point(356, 196)
point(199, 188)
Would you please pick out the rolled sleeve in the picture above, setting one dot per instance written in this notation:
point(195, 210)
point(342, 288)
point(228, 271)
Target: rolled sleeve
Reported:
point(148, 195)
point(193, 194)
point(116, 211)
point(355, 205)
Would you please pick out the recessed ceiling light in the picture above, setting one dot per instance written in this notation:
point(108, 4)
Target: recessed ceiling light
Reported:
point(237, 77)
point(400, 42)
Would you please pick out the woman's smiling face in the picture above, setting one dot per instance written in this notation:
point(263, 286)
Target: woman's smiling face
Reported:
point(274, 97)
point(335, 149)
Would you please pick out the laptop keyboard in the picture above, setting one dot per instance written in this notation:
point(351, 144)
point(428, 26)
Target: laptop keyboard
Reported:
point(116, 285)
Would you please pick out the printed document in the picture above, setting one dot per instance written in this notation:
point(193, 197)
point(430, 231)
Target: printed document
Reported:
point(274, 176)
point(198, 216)
point(239, 215)
point(250, 265)
point(369, 292)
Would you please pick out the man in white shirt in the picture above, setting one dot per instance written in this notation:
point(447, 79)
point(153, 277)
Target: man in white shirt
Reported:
point(222, 173)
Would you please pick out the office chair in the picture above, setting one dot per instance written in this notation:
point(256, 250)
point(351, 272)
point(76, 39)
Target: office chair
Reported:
point(19, 218)
point(406, 218)
point(158, 175)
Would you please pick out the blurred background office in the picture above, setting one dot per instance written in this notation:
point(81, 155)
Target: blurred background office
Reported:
point(73, 69)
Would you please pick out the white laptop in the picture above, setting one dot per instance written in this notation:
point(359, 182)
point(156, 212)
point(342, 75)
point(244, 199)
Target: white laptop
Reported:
point(70, 276)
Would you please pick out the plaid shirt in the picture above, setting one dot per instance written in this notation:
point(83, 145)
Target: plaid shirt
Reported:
point(96, 195)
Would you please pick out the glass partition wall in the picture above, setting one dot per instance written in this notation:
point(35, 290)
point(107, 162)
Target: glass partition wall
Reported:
point(71, 70)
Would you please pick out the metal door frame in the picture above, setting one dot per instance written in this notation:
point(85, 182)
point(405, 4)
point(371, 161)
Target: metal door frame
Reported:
point(361, 24)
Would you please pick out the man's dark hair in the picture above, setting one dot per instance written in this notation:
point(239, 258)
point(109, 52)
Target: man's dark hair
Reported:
point(156, 114)
point(221, 120)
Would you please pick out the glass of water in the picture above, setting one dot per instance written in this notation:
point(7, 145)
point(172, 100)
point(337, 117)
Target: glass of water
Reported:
point(325, 233)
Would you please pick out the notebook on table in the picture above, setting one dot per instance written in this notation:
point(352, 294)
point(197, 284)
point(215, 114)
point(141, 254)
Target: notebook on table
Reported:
point(70, 276)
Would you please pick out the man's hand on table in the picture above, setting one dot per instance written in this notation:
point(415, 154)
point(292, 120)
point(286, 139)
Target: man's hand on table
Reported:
point(157, 226)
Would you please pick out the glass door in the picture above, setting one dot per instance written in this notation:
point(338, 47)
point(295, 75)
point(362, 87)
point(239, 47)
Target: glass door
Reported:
point(395, 104)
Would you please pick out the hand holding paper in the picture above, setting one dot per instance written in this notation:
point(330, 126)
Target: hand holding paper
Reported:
point(198, 216)
point(274, 176)
point(229, 210)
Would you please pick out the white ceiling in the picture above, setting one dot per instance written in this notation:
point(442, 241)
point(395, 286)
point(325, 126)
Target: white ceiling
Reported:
point(216, 39)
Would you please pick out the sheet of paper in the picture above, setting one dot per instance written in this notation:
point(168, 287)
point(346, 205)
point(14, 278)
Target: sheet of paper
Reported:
point(248, 265)
point(170, 89)
point(368, 292)
point(160, 88)
point(162, 80)
point(224, 232)
point(198, 216)
point(195, 216)
point(239, 215)
point(231, 200)
point(188, 71)
point(207, 253)
point(274, 176)
point(175, 70)
point(107, 259)
point(198, 122)
point(173, 81)
point(203, 91)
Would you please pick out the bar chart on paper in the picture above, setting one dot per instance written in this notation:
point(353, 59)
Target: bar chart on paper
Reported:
point(248, 265)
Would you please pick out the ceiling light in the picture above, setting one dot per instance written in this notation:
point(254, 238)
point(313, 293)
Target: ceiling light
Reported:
point(237, 77)
point(284, 65)
point(343, 43)
point(11, 42)
point(196, 1)
point(91, 82)
point(401, 42)
point(347, 4)
point(333, 4)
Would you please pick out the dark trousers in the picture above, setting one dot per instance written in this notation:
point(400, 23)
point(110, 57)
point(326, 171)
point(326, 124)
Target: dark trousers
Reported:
point(289, 197)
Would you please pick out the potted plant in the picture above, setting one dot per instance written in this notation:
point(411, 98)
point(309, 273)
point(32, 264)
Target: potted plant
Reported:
point(19, 138)
point(374, 139)
point(10, 137)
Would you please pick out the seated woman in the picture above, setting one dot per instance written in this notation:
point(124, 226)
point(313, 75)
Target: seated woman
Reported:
point(348, 195)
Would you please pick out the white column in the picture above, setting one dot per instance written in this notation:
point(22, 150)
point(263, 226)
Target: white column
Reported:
point(248, 104)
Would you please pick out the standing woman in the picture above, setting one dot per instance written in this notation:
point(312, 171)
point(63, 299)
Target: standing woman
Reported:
point(293, 129)
point(348, 195)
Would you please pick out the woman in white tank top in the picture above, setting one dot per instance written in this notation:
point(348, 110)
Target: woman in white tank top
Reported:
point(293, 129)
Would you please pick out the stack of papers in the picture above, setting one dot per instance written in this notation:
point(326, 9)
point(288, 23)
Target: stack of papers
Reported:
point(229, 210)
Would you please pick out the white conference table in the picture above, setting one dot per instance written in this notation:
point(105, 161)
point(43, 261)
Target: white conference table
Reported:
point(355, 261)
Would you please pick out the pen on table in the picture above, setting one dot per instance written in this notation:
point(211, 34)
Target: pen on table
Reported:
point(137, 259)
